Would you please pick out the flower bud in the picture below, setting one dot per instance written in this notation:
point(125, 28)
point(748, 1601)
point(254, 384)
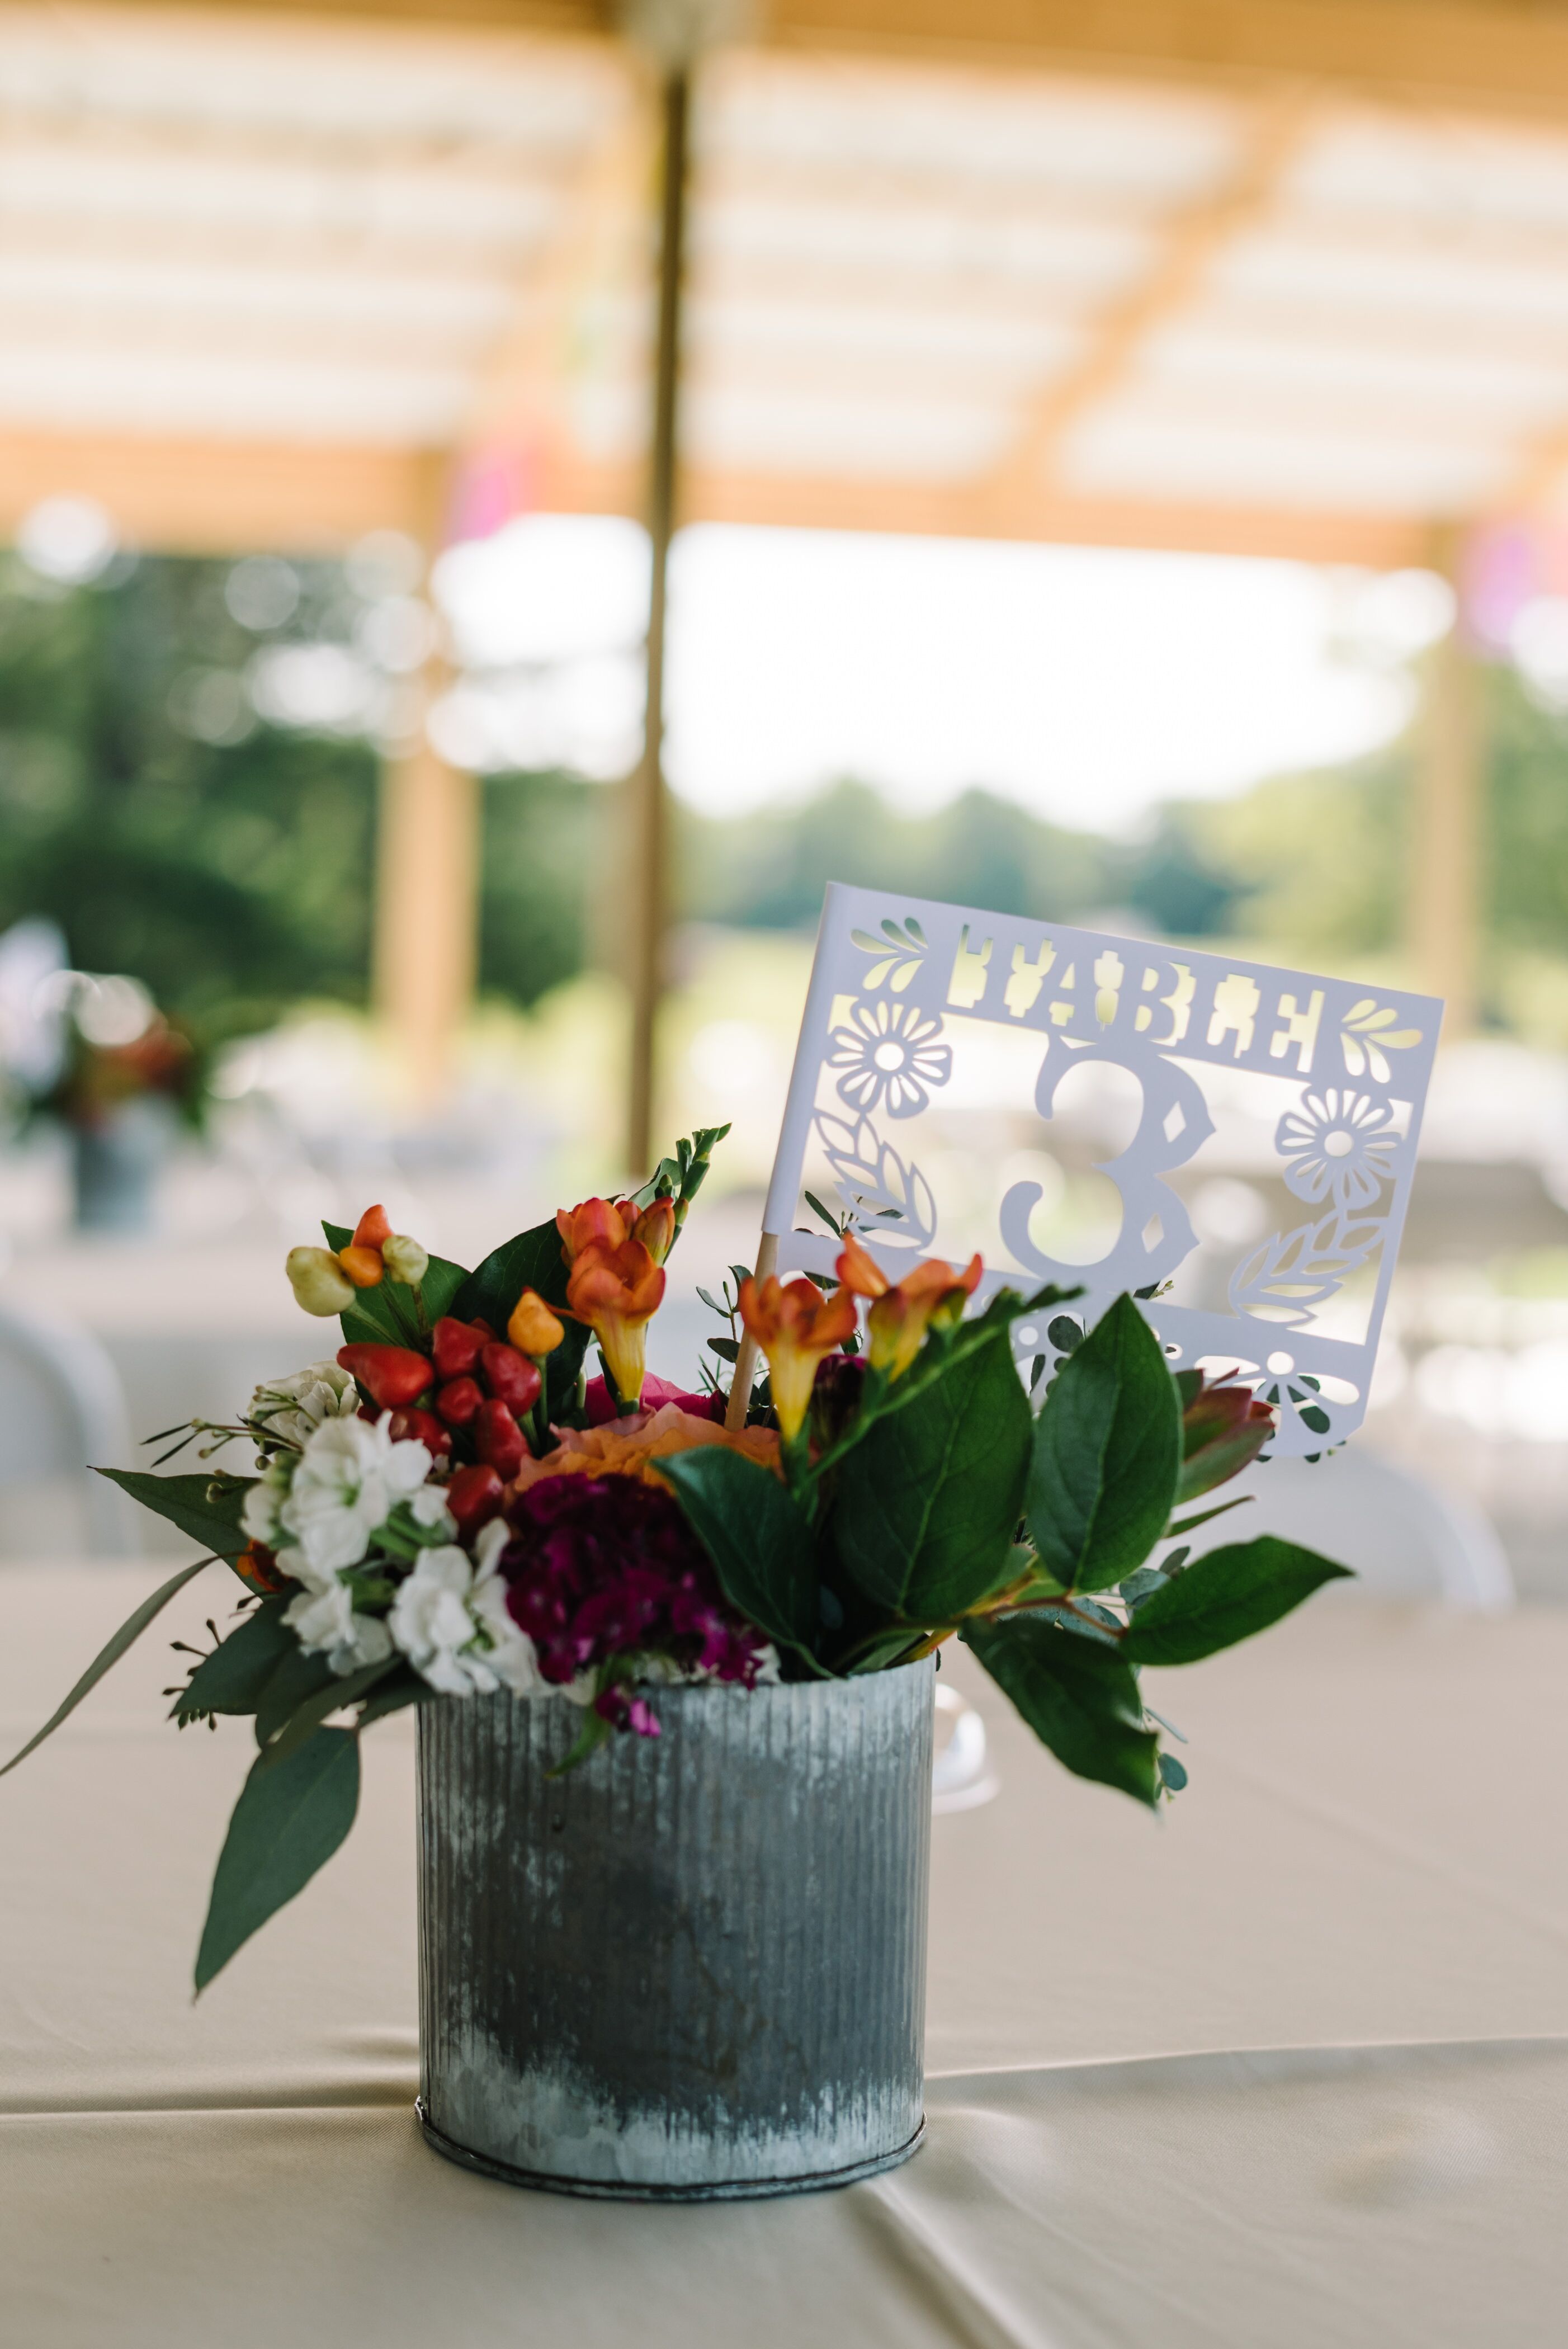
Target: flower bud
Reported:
point(373, 1229)
point(405, 1259)
point(318, 1281)
point(534, 1329)
point(363, 1265)
point(655, 1227)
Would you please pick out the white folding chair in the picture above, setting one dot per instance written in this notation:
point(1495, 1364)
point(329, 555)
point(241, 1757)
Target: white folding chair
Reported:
point(1404, 1537)
point(62, 1412)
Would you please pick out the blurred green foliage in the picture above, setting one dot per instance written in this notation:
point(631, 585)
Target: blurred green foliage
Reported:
point(233, 875)
point(231, 878)
point(1319, 865)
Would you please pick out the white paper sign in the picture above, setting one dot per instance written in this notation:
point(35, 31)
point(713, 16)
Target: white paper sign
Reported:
point(953, 1063)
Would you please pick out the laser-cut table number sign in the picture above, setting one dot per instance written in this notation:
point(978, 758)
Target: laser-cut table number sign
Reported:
point(901, 991)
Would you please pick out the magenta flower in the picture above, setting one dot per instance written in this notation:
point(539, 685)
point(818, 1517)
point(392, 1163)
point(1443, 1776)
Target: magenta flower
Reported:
point(601, 1568)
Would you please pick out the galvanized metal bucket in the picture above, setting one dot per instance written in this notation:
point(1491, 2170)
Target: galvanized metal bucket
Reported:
point(694, 1967)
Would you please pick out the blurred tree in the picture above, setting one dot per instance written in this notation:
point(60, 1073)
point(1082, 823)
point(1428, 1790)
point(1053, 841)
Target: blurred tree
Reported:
point(226, 863)
point(768, 870)
point(1528, 816)
point(542, 839)
point(231, 876)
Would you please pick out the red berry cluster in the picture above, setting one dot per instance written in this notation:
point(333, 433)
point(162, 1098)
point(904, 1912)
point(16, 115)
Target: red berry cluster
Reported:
point(466, 1397)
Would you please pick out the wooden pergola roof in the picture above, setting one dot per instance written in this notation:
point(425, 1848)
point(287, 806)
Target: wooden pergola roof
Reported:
point(1283, 276)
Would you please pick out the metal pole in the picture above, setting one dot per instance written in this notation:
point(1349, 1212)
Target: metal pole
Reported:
point(649, 827)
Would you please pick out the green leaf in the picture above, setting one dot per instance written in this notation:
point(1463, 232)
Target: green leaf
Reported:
point(757, 1535)
point(1201, 1517)
point(231, 1678)
point(130, 1632)
point(1172, 1774)
point(927, 1504)
point(532, 1261)
point(886, 1651)
point(1080, 1699)
point(308, 1717)
point(1108, 1450)
point(288, 1822)
point(294, 1677)
point(404, 1687)
point(937, 1359)
point(1225, 1598)
point(185, 1502)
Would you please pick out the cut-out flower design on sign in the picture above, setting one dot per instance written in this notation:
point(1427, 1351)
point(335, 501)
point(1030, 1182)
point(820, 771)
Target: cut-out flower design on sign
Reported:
point(889, 1053)
point(1337, 1144)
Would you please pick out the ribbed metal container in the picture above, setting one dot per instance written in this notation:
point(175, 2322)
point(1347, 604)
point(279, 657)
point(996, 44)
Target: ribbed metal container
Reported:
point(695, 1967)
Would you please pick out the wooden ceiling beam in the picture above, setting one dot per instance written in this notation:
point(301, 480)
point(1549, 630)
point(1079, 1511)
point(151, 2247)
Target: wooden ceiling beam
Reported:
point(1190, 242)
point(214, 497)
point(194, 497)
point(967, 510)
point(1511, 60)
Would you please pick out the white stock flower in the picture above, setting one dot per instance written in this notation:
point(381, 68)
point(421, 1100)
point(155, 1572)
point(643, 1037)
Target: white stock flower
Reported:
point(292, 1408)
point(346, 1482)
point(259, 1509)
point(323, 1619)
point(450, 1621)
point(429, 1509)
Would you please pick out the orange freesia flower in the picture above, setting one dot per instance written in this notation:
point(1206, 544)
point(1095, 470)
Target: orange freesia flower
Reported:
point(795, 1326)
point(617, 1291)
point(655, 1227)
point(628, 1447)
point(899, 1318)
point(858, 1270)
point(596, 1223)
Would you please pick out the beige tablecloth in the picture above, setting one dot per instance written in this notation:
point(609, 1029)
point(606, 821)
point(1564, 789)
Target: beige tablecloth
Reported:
point(1287, 2066)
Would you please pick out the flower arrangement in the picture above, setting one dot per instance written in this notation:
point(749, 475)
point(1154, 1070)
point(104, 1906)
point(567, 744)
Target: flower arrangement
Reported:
point(452, 1507)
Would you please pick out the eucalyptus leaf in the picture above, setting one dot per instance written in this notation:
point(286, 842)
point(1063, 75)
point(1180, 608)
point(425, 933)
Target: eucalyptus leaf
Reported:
point(1225, 1598)
point(130, 1632)
point(927, 1504)
point(886, 1652)
point(288, 1822)
point(1106, 1453)
point(401, 1688)
point(1201, 1517)
point(233, 1678)
point(762, 1547)
point(187, 1501)
point(1080, 1699)
point(294, 1677)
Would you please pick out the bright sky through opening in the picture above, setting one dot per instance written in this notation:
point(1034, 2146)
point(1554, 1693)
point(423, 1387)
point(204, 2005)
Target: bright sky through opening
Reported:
point(1089, 684)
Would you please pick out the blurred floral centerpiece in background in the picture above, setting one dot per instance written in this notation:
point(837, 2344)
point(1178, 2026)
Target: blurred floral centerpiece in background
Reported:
point(126, 1079)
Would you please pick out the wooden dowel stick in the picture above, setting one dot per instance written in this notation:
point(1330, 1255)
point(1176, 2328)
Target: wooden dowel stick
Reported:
point(746, 1360)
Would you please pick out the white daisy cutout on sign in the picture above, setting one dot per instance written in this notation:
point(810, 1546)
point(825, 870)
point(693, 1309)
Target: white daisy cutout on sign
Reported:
point(1112, 1113)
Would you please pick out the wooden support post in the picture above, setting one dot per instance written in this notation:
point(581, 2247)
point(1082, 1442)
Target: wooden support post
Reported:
point(649, 827)
point(1447, 888)
point(427, 887)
